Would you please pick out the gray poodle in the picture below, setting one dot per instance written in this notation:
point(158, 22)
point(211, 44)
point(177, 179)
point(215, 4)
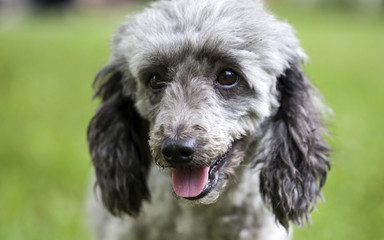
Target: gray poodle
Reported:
point(212, 92)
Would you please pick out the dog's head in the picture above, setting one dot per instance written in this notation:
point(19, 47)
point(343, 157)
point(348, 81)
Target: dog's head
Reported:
point(193, 85)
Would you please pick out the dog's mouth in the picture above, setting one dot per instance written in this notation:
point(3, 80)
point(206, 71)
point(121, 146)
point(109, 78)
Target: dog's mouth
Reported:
point(196, 182)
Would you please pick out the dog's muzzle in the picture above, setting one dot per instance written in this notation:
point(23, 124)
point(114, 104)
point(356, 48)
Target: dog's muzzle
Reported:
point(191, 182)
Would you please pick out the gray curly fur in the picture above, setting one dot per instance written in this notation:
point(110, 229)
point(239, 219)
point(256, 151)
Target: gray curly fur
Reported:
point(295, 168)
point(267, 125)
point(117, 140)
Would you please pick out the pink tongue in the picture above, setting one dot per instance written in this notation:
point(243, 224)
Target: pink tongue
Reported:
point(189, 182)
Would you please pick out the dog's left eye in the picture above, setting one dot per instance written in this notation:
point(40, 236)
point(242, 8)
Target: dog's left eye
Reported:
point(227, 78)
point(156, 82)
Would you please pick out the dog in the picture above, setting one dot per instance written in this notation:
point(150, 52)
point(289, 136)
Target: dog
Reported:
point(207, 127)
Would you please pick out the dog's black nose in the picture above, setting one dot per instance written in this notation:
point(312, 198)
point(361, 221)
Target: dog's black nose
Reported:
point(179, 151)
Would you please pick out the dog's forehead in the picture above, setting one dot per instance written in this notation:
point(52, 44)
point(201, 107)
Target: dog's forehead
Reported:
point(171, 21)
point(241, 31)
point(168, 40)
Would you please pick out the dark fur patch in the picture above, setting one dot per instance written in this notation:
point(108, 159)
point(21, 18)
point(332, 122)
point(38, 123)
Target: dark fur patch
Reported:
point(118, 138)
point(296, 165)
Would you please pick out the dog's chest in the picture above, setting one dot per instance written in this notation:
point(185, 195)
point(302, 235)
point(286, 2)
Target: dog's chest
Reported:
point(233, 216)
point(174, 221)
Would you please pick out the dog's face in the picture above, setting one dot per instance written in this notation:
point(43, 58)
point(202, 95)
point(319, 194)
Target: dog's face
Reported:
point(198, 128)
point(203, 80)
point(205, 86)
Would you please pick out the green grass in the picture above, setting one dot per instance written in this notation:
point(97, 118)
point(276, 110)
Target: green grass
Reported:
point(46, 68)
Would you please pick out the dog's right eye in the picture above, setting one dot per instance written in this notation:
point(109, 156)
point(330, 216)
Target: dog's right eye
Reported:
point(156, 82)
point(227, 79)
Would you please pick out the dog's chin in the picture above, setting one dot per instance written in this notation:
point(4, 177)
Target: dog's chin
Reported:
point(211, 192)
point(217, 178)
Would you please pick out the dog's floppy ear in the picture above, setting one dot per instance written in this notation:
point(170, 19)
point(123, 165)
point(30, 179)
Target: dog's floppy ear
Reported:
point(295, 153)
point(118, 143)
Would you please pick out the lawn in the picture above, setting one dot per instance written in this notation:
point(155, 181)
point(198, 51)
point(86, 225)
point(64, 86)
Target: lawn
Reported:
point(47, 64)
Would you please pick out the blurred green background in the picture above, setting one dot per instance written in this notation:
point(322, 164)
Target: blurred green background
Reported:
point(48, 61)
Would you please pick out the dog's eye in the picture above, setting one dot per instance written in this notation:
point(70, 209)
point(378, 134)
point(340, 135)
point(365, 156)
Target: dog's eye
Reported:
point(156, 82)
point(227, 78)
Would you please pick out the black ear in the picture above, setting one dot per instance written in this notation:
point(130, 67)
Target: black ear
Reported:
point(294, 151)
point(118, 143)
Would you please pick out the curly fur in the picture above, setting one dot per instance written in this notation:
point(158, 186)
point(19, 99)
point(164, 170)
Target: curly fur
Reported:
point(267, 127)
point(295, 164)
point(118, 149)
